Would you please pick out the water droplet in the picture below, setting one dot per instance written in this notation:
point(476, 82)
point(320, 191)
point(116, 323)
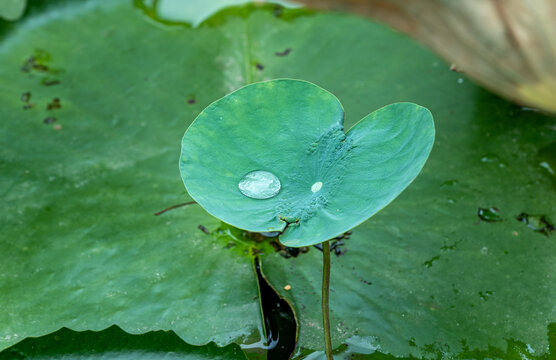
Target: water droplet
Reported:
point(491, 214)
point(260, 185)
point(546, 165)
point(493, 159)
point(538, 223)
point(316, 186)
point(484, 295)
point(524, 108)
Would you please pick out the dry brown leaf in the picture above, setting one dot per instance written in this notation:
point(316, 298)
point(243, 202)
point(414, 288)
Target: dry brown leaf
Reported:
point(509, 46)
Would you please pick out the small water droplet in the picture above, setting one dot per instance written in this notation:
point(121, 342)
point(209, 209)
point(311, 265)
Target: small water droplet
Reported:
point(524, 108)
point(491, 214)
point(316, 186)
point(538, 223)
point(484, 295)
point(460, 81)
point(259, 184)
point(547, 166)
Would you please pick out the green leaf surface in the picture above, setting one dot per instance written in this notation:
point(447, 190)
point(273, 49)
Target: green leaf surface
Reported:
point(12, 9)
point(329, 181)
point(114, 344)
point(81, 248)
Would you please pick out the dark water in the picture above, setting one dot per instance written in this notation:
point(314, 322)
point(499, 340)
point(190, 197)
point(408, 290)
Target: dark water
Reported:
point(279, 320)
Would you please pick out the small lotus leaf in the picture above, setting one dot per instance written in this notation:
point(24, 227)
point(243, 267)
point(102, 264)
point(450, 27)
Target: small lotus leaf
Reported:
point(330, 181)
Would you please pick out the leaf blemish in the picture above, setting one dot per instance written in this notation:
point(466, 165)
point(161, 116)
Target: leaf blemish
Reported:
point(288, 252)
point(54, 104)
point(26, 96)
point(283, 53)
point(203, 229)
point(49, 82)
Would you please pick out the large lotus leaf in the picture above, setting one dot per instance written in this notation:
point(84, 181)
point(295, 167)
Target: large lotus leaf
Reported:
point(114, 344)
point(81, 247)
point(85, 205)
point(325, 181)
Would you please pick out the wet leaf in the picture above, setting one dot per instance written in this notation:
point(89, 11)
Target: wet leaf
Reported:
point(114, 344)
point(284, 162)
point(81, 246)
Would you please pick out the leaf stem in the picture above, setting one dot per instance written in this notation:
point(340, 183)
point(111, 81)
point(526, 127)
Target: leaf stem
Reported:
point(325, 298)
point(174, 207)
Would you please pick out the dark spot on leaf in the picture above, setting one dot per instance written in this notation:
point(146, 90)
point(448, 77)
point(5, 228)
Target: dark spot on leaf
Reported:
point(538, 223)
point(36, 61)
point(259, 66)
point(286, 251)
point(49, 82)
point(453, 246)
point(485, 294)
point(338, 251)
point(283, 53)
point(28, 64)
point(28, 106)
point(203, 229)
point(31, 64)
point(49, 120)
point(337, 243)
point(365, 281)
point(26, 96)
point(428, 263)
point(54, 104)
point(490, 214)
point(191, 100)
